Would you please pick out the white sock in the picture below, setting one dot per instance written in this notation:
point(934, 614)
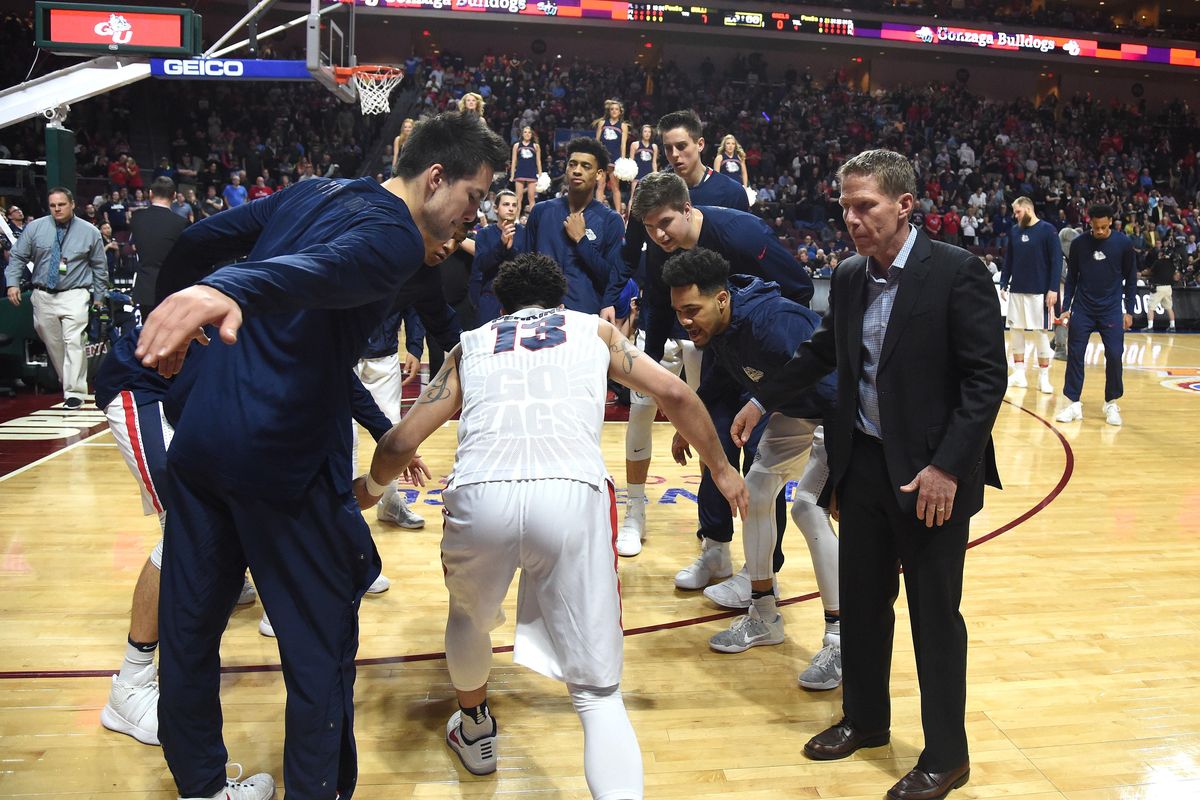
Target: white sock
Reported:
point(475, 729)
point(612, 759)
point(833, 629)
point(767, 608)
point(636, 492)
point(133, 668)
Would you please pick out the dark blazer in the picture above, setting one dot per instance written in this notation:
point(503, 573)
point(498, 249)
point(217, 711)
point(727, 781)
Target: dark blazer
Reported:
point(942, 372)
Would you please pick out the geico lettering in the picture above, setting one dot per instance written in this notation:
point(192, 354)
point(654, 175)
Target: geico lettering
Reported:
point(209, 68)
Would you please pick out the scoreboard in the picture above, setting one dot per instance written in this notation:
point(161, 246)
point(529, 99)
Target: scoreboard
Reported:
point(92, 28)
point(706, 16)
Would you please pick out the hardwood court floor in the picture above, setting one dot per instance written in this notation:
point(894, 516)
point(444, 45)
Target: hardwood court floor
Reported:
point(1083, 611)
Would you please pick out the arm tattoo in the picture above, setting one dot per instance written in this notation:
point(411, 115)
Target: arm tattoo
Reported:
point(628, 354)
point(438, 388)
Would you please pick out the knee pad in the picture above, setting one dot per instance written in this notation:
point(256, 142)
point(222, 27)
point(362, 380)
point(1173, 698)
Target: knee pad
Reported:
point(639, 435)
point(1044, 350)
point(156, 555)
point(1018, 345)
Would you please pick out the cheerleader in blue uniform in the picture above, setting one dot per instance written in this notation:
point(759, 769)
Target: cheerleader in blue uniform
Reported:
point(613, 133)
point(645, 153)
point(524, 168)
point(731, 160)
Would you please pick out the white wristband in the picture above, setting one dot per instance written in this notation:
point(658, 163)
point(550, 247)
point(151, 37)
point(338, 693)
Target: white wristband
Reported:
point(374, 489)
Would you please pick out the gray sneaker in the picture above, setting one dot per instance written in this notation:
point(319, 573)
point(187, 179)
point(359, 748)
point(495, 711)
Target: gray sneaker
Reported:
point(748, 631)
point(825, 671)
point(392, 508)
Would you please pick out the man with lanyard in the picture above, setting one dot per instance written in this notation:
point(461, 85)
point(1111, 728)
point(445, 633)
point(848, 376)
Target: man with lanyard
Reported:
point(69, 269)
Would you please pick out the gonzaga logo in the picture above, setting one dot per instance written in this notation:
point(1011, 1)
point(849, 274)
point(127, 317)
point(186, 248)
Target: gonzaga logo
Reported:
point(511, 6)
point(925, 34)
point(117, 27)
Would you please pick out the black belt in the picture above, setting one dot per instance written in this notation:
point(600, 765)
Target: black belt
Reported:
point(48, 290)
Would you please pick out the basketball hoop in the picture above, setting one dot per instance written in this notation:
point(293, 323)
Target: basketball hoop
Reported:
point(374, 84)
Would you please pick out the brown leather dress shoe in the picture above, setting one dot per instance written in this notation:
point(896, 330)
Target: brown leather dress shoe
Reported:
point(922, 785)
point(842, 740)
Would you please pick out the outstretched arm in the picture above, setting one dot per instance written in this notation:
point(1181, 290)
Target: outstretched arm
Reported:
point(439, 402)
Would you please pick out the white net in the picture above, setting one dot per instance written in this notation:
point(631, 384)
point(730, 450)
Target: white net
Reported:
point(375, 85)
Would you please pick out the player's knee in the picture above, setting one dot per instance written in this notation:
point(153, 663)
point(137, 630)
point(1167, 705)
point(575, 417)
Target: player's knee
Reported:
point(810, 518)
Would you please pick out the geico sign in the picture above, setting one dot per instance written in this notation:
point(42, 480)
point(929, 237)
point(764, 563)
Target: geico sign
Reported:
point(204, 67)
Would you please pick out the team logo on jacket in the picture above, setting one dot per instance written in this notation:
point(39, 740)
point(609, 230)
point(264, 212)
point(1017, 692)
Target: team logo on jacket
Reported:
point(753, 374)
point(1024, 237)
point(1098, 255)
point(590, 234)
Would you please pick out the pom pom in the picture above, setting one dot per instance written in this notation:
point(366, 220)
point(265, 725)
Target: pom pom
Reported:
point(625, 169)
point(751, 195)
point(543, 182)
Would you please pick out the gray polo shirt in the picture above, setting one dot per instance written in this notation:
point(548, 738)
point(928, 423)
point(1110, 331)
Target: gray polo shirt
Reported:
point(82, 247)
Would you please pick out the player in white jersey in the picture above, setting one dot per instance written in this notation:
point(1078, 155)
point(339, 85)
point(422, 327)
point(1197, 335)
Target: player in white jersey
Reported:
point(530, 489)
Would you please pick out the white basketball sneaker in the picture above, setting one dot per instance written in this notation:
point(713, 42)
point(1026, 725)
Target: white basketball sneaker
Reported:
point(256, 787)
point(380, 585)
point(132, 710)
point(1044, 382)
point(264, 626)
point(479, 756)
point(1112, 414)
point(1017, 379)
point(712, 564)
point(633, 529)
point(392, 508)
point(1072, 413)
point(734, 592)
point(825, 671)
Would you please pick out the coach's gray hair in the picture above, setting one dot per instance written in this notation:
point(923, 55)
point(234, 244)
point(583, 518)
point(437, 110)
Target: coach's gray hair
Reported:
point(891, 170)
point(656, 190)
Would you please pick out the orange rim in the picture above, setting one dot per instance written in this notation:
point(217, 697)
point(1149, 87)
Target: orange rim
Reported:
point(371, 72)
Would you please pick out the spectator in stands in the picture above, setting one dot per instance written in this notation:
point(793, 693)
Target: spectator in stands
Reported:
point(180, 206)
point(115, 212)
point(234, 193)
point(259, 189)
point(213, 203)
point(112, 249)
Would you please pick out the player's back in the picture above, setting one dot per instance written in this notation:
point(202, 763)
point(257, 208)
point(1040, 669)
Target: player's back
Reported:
point(534, 385)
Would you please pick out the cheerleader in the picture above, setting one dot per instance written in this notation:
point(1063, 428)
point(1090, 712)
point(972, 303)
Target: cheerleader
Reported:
point(524, 167)
point(731, 160)
point(645, 153)
point(613, 133)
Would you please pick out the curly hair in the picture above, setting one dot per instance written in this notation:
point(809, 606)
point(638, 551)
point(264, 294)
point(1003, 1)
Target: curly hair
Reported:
point(582, 144)
point(530, 279)
point(707, 270)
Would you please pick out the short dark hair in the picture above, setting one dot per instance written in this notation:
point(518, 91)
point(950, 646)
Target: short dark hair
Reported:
point(530, 279)
point(1102, 210)
point(461, 143)
point(582, 144)
point(163, 188)
point(703, 268)
point(891, 170)
point(659, 189)
point(63, 191)
point(687, 119)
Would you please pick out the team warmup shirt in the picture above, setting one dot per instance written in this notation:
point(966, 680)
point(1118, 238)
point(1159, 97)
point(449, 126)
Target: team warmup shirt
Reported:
point(1096, 270)
point(325, 260)
point(1033, 260)
point(534, 385)
point(588, 265)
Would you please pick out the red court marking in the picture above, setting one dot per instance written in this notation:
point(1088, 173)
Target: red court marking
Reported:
point(1068, 471)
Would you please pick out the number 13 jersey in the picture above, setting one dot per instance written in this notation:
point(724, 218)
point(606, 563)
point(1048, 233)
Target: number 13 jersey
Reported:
point(534, 385)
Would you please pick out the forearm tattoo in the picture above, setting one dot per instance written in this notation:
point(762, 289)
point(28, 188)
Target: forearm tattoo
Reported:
point(438, 388)
point(628, 354)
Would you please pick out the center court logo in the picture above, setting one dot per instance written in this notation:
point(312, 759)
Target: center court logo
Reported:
point(117, 27)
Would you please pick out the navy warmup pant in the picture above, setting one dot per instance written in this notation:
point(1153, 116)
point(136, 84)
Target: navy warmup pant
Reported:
point(716, 520)
point(1112, 333)
point(312, 558)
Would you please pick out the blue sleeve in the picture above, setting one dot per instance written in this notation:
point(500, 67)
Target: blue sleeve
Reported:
point(362, 265)
point(414, 333)
point(423, 294)
point(365, 411)
point(752, 242)
point(780, 331)
point(213, 240)
point(603, 258)
point(1072, 274)
point(526, 239)
point(738, 199)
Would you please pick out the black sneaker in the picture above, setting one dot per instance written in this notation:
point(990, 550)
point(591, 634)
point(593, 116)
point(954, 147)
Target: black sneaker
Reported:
point(73, 403)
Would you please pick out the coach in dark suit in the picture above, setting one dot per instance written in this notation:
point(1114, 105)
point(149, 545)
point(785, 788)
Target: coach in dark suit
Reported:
point(915, 333)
